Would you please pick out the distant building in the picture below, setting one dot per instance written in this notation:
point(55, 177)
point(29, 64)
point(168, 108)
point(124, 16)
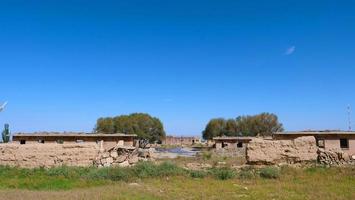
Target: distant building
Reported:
point(231, 143)
point(232, 146)
point(108, 140)
point(173, 140)
point(343, 140)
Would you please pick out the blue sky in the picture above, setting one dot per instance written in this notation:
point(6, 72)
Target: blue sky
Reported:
point(66, 63)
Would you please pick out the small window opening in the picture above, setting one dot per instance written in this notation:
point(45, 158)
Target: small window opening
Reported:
point(240, 144)
point(22, 141)
point(344, 143)
point(41, 141)
point(320, 143)
point(60, 141)
point(224, 145)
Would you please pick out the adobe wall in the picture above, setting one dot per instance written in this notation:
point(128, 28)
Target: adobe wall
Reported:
point(352, 147)
point(171, 140)
point(334, 144)
point(231, 150)
point(270, 152)
point(331, 141)
point(34, 155)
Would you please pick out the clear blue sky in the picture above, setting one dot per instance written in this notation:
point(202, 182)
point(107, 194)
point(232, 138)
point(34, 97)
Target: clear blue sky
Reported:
point(66, 63)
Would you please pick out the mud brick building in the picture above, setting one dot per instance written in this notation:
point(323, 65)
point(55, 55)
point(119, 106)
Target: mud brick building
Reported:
point(328, 140)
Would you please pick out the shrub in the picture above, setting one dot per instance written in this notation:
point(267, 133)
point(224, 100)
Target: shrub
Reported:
point(58, 171)
point(198, 174)
point(145, 169)
point(206, 155)
point(110, 173)
point(67, 172)
point(119, 174)
point(102, 173)
point(246, 174)
point(6, 170)
point(170, 169)
point(270, 172)
point(149, 169)
point(23, 173)
point(223, 173)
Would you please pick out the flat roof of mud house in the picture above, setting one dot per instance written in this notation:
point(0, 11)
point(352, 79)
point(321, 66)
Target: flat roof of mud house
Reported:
point(72, 137)
point(295, 134)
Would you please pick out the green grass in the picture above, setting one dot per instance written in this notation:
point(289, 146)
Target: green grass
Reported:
point(72, 177)
point(198, 174)
point(168, 181)
point(223, 173)
point(270, 172)
point(246, 173)
point(208, 157)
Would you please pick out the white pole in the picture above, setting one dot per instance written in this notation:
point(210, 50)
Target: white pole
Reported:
point(349, 117)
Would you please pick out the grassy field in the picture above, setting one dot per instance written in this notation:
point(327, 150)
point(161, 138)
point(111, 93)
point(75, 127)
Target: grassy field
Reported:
point(209, 158)
point(167, 181)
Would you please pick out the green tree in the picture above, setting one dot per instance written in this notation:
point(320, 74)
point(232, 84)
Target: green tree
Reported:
point(214, 128)
point(6, 134)
point(245, 125)
point(264, 124)
point(143, 125)
point(231, 128)
point(105, 125)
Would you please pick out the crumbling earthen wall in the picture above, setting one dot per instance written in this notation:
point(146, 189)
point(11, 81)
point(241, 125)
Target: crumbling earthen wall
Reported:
point(35, 155)
point(270, 152)
point(48, 155)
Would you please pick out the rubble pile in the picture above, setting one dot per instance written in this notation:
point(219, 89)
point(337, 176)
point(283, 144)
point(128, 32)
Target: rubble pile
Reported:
point(122, 156)
point(334, 157)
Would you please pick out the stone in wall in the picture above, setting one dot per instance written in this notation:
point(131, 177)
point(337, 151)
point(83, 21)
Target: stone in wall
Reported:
point(271, 152)
point(334, 157)
point(123, 156)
